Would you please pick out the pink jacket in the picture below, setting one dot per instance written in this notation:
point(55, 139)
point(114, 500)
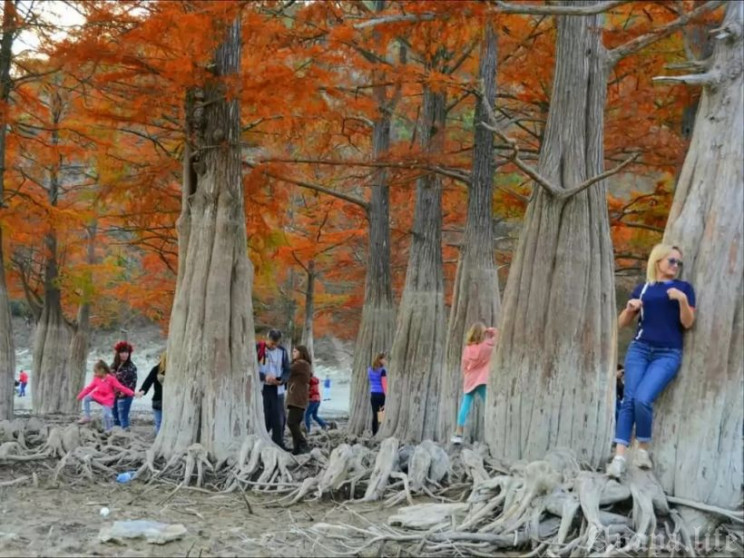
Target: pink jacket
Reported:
point(475, 362)
point(103, 390)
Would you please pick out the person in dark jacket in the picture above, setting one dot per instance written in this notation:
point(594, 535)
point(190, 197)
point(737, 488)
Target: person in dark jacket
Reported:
point(155, 379)
point(300, 373)
point(126, 372)
point(273, 371)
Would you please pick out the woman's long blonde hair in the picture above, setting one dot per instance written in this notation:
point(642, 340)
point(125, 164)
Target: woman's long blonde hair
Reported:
point(658, 253)
point(476, 334)
point(162, 362)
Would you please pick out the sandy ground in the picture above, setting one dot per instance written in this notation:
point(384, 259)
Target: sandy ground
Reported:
point(65, 520)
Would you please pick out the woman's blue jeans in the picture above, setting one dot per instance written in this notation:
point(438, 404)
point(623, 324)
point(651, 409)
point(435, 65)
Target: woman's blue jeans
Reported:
point(648, 370)
point(121, 411)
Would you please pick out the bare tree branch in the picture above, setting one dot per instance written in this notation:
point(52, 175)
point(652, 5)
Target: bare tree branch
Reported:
point(708, 78)
point(316, 188)
point(394, 19)
point(532, 9)
point(639, 43)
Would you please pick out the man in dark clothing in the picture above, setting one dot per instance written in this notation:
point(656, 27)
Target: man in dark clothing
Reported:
point(273, 370)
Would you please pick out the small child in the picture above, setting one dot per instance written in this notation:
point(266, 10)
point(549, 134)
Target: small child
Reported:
point(102, 389)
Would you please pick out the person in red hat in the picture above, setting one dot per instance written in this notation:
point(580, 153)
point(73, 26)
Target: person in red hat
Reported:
point(126, 373)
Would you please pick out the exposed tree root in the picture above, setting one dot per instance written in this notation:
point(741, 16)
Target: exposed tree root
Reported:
point(471, 504)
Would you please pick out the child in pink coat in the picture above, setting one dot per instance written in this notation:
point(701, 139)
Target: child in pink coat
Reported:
point(102, 389)
point(476, 358)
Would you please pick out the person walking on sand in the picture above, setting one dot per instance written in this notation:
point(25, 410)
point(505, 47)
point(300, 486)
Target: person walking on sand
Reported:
point(155, 379)
point(377, 375)
point(665, 308)
point(126, 372)
point(476, 358)
point(298, 386)
point(102, 389)
point(313, 404)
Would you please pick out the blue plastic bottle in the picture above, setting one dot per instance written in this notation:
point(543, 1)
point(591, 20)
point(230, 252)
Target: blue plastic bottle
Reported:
point(124, 478)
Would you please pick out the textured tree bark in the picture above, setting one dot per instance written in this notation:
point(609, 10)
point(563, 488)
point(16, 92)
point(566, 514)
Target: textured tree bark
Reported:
point(7, 348)
point(80, 340)
point(378, 313)
point(698, 420)
point(307, 329)
point(417, 356)
point(476, 290)
point(552, 372)
point(51, 388)
point(212, 390)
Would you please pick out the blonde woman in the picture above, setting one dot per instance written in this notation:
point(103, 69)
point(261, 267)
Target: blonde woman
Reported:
point(476, 357)
point(665, 308)
point(155, 379)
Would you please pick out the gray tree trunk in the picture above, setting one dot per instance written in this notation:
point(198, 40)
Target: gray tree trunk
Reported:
point(417, 356)
point(307, 329)
point(51, 390)
point(698, 420)
point(551, 375)
point(80, 340)
point(378, 313)
point(476, 290)
point(7, 348)
point(212, 390)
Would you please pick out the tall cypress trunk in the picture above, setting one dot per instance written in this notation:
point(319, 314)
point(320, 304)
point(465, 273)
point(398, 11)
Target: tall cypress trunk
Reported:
point(551, 376)
point(51, 390)
point(7, 348)
point(378, 313)
point(698, 420)
point(476, 291)
point(417, 356)
point(211, 395)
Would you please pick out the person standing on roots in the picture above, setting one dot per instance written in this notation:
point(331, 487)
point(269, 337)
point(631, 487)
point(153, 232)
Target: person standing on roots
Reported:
point(102, 389)
point(313, 405)
point(476, 359)
point(377, 388)
point(298, 387)
point(126, 373)
point(273, 370)
point(155, 379)
point(22, 383)
point(665, 307)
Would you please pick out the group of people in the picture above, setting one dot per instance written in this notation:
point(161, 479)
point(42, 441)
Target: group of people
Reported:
point(113, 388)
point(663, 305)
point(291, 384)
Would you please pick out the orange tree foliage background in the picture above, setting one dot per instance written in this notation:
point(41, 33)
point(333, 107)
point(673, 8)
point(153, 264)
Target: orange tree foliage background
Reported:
point(118, 83)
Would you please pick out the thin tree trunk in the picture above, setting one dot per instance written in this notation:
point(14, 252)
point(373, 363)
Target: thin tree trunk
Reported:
point(80, 340)
point(212, 391)
point(7, 348)
point(476, 290)
point(698, 420)
point(417, 356)
point(307, 330)
point(551, 376)
point(378, 313)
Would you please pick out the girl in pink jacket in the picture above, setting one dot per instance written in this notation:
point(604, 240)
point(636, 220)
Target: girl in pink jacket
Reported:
point(476, 358)
point(102, 389)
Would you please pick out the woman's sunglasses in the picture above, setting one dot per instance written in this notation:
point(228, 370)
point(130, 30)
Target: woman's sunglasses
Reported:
point(674, 261)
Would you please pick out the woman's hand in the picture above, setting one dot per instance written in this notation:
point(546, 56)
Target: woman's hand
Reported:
point(676, 294)
point(139, 394)
point(634, 305)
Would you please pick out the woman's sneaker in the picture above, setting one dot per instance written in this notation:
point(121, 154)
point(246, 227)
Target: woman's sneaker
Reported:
point(617, 467)
point(642, 460)
point(456, 439)
point(84, 420)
